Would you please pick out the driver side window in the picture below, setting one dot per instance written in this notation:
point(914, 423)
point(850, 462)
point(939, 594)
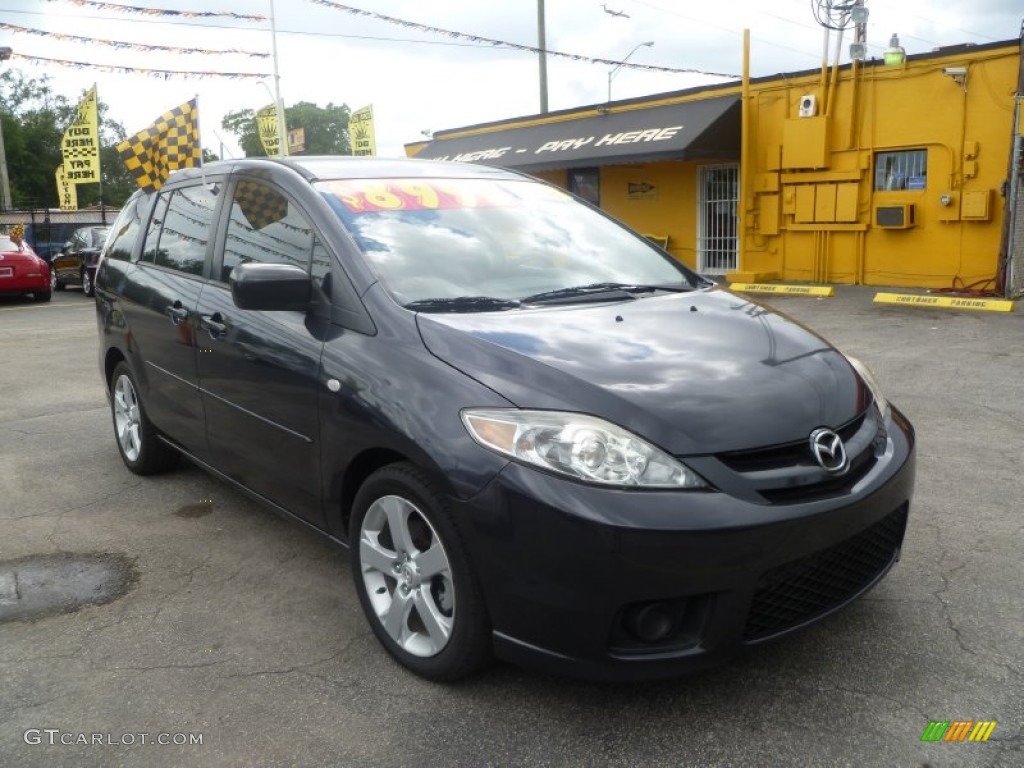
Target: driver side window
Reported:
point(265, 226)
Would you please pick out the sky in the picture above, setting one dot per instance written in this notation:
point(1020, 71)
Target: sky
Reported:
point(419, 81)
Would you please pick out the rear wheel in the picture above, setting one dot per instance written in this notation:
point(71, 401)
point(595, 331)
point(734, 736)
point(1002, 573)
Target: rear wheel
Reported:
point(42, 295)
point(87, 286)
point(140, 448)
point(53, 280)
point(414, 577)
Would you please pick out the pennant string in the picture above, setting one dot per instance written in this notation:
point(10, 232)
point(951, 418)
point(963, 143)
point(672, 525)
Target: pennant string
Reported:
point(161, 11)
point(122, 45)
point(516, 46)
point(165, 74)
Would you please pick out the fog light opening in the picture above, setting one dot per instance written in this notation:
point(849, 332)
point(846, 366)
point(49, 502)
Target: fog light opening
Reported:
point(652, 622)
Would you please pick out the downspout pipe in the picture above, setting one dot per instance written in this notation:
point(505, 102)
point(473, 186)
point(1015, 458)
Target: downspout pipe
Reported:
point(744, 204)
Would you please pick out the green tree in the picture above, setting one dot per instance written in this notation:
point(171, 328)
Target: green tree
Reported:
point(34, 119)
point(326, 128)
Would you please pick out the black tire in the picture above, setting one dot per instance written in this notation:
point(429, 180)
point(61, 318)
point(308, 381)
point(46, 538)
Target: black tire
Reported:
point(426, 567)
point(42, 295)
point(87, 287)
point(137, 442)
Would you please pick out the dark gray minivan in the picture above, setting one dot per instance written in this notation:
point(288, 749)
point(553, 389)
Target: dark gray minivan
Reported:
point(539, 435)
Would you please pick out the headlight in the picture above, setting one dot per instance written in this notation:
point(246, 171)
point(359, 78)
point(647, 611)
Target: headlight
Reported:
point(582, 447)
point(872, 382)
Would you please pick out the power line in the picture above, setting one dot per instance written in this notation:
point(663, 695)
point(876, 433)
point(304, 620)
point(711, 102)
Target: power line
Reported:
point(515, 46)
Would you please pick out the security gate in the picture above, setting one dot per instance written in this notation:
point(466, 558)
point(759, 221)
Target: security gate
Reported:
point(718, 195)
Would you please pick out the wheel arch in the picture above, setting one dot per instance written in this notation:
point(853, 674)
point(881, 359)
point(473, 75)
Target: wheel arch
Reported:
point(344, 486)
point(110, 361)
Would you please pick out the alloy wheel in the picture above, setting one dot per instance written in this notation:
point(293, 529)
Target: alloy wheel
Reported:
point(407, 575)
point(126, 418)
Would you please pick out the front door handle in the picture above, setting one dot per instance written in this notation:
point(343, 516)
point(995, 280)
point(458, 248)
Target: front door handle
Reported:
point(177, 313)
point(213, 324)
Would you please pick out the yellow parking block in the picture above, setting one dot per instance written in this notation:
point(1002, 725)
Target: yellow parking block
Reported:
point(793, 290)
point(945, 302)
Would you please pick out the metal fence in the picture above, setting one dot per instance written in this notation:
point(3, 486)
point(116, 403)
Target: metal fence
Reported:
point(47, 229)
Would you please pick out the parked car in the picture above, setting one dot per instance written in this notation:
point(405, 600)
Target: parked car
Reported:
point(538, 434)
point(76, 263)
point(22, 272)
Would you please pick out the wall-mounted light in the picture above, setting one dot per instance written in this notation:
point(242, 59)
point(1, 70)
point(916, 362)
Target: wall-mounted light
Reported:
point(895, 54)
point(958, 75)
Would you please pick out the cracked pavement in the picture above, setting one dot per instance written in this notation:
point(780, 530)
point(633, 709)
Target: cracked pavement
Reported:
point(245, 628)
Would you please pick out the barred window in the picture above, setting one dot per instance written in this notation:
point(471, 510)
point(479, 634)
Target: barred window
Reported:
point(904, 169)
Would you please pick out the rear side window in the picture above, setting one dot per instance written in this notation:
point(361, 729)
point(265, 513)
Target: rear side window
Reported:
point(265, 226)
point(180, 229)
point(126, 230)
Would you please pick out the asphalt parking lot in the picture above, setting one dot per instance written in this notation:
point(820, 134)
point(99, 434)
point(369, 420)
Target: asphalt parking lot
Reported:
point(244, 629)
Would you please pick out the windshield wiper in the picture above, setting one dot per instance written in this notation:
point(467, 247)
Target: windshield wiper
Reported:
point(462, 304)
point(601, 292)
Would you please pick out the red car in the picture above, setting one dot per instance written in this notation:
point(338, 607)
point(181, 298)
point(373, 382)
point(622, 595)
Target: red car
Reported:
point(21, 271)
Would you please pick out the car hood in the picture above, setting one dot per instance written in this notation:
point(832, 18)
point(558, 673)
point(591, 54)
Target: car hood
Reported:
point(695, 373)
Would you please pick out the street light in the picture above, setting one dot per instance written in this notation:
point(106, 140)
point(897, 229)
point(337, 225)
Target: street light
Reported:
point(5, 182)
point(618, 66)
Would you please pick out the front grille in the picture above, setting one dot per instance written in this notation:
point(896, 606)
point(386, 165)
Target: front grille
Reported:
point(785, 455)
point(797, 592)
point(789, 474)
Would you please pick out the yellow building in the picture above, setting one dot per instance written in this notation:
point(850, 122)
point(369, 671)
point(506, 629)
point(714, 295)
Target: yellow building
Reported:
point(882, 174)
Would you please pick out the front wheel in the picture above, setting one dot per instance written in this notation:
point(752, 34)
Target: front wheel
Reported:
point(414, 578)
point(140, 448)
point(87, 286)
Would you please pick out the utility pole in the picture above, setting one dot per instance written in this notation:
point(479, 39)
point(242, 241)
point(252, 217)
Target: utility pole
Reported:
point(543, 46)
point(5, 182)
point(282, 131)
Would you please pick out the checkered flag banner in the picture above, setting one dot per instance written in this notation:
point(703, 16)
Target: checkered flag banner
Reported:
point(172, 142)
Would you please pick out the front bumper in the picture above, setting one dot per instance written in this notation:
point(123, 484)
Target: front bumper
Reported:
point(565, 566)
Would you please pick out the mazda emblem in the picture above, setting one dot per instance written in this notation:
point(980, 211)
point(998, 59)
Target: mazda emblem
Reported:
point(829, 451)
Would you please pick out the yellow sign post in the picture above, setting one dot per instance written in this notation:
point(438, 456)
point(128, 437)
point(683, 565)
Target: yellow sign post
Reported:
point(266, 125)
point(81, 144)
point(360, 124)
point(67, 193)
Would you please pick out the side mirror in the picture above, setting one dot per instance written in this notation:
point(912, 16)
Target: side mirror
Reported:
point(271, 287)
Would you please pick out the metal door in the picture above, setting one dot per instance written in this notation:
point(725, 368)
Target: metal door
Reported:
point(718, 189)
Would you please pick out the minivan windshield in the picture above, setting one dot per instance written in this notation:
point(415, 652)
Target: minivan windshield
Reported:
point(493, 243)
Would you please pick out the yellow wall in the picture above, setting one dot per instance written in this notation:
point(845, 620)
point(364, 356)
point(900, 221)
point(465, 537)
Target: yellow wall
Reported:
point(652, 199)
point(670, 208)
point(808, 211)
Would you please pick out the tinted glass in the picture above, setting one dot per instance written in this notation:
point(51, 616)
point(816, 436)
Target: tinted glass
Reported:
point(446, 238)
point(265, 226)
point(180, 229)
point(125, 230)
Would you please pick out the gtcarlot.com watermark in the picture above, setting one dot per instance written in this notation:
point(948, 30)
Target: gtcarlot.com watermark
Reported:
point(55, 737)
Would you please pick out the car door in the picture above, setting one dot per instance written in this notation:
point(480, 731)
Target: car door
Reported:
point(68, 263)
point(159, 303)
point(258, 370)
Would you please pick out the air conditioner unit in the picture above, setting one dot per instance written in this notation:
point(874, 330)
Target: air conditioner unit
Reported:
point(808, 105)
point(899, 216)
